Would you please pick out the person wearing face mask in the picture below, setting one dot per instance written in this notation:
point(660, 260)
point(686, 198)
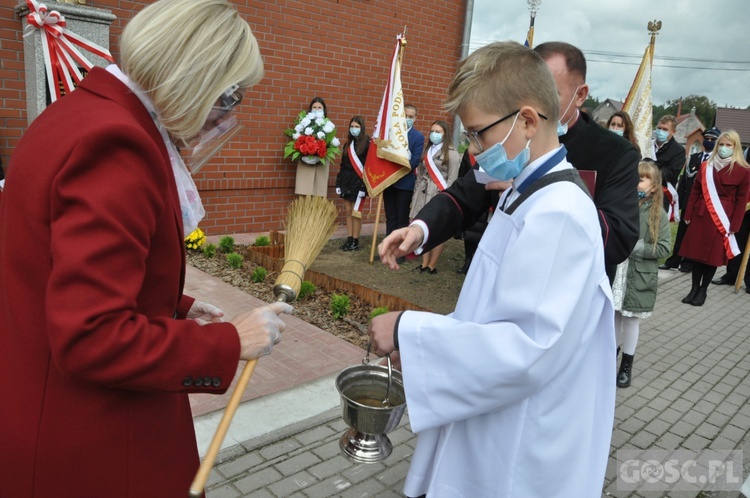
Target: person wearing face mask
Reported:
point(637, 278)
point(684, 187)
point(714, 213)
point(670, 157)
point(312, 179)
point(530, 345)
point(590, 147)
point(620, 124)
point(349, 183)
point(397, 197)
point(94, 325)
point(438, 170)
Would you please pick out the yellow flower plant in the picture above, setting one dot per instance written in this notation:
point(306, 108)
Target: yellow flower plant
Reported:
point(195, 240)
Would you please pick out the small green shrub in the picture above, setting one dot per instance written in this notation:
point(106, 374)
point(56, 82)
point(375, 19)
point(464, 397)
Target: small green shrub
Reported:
point(339, 305)
point(209, 250)
point(306, 289)
point(262, 240)
point(226, 244)
point(235, 260)
point(259, 274)
point(378, 311)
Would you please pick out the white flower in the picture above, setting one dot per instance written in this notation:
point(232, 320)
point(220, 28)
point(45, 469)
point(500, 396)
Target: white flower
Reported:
point(308, 131)
point(335, 142)
point(321, 135)
point(306, 121)
point(299, 128)
point(328, 127)
point(320, 121)
point(296, 136)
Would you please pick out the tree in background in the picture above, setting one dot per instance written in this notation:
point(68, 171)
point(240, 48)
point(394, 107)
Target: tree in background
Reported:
point(705, 108)
point(591, 103)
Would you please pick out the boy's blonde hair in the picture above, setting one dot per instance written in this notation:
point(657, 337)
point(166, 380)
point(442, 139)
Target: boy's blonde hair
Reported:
point(502, 77)
point(185, 54)
point(669, 119)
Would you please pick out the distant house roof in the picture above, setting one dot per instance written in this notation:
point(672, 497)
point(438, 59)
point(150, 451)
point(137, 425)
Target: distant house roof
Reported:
point(687, 124)
point(734, 119)
point(604, 110)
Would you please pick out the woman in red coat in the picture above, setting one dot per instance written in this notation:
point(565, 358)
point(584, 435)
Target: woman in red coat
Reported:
point(714, 212)
point(95, 351)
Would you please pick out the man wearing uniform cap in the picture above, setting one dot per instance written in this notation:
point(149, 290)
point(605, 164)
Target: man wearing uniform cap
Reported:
point(684, 186)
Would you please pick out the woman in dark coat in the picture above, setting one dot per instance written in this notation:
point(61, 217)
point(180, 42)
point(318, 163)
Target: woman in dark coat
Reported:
point(349, 183)
point(725, 177)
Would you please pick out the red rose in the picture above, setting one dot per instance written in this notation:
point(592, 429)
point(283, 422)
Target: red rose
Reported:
point(322, 151)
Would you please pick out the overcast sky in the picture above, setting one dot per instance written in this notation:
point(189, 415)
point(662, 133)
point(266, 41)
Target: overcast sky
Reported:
point(613, 35)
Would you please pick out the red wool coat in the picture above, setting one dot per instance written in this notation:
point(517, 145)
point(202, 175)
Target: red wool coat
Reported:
point(703, 242)
point(96, 368)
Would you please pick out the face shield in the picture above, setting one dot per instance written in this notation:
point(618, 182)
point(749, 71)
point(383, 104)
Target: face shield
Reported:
point(220, 127)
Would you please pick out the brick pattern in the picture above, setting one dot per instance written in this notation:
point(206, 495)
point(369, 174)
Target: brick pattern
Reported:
point(337, 50)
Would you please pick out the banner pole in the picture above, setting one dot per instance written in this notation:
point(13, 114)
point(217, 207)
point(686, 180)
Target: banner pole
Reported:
point(375, 228)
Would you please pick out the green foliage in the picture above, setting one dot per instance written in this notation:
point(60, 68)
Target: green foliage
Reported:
point(306, 289)
point(235, 260)
point(705, 108)
point(259, 274)
point(209, 250)
point(382, 310)
point(591, 103)
point(262, 240)
point(226, 244)
point(339, 305)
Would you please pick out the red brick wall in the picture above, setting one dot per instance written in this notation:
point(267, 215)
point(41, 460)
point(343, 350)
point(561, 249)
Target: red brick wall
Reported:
point(338, 50)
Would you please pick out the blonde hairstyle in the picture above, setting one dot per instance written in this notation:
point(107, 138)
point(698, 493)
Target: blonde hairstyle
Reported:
point(737, 156)
point(502, 77)
point(184, 54)
point(649, 169)
point(668, 118)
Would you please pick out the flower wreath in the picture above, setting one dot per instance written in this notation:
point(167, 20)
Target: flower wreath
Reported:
point(313, 139)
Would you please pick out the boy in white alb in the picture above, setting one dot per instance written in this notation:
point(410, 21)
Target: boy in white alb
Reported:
point(512, 394)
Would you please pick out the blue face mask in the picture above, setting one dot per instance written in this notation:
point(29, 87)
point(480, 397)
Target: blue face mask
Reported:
point(436, 137)
point(661, 135)
point(617, 132)
point(494, 161)
point(641, 195)
point(354, 131)
point(709, 145)
point(409, 123)
point(725, 152)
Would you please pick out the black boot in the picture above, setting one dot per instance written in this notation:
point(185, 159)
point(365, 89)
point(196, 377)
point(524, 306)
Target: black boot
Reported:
point(626, 366)
point(465, 267)
point(354, 246)
point(345, 245)
point(691, 295)
point(699, 298)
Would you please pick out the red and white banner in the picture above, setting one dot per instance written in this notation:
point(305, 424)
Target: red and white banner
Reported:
point(388, 157)
point(674, 202)
point(433, 170)
point(716, 210)
point(61, 57)
point(359, 168)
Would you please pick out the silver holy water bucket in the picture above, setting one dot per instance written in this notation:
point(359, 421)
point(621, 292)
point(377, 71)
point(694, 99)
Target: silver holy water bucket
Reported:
point(363, 389)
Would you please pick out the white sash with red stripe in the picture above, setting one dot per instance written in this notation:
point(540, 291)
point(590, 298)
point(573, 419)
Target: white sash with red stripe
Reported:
point(433, 170)
point(716, 210)
point(674, 202)
point(359, 168)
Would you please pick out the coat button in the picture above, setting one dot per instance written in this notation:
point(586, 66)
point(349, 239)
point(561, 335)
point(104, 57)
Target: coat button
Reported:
point(198, 382)
point(216, 382)
point(207, 381)
point(187, 381)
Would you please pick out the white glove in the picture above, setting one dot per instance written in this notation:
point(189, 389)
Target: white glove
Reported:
point(338, 191)
point(204, 313)
point(361, 194)
point(260, 329)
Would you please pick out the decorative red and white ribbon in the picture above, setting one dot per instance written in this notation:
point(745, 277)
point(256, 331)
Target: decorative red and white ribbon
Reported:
point(61, 57)
point(359, 168)
point(433, 171)
point(716, 210)
point(674, 202)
